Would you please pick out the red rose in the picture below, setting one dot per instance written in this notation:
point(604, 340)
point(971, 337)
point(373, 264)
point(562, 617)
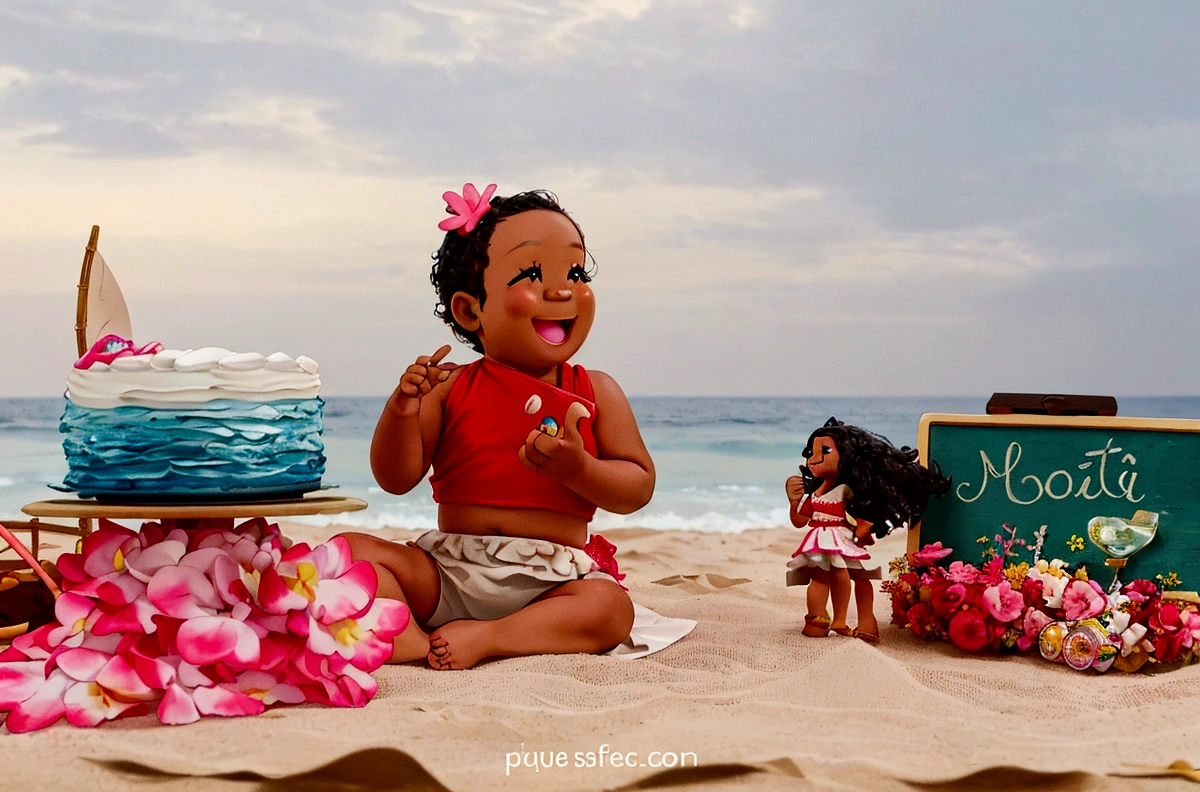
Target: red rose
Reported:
point(1031, 592)
point(919, 617)
point(1140, 590)
point(1168, 633)
point(995, 631)
point(946, 597)
point(969, 631)
point(1167, 646)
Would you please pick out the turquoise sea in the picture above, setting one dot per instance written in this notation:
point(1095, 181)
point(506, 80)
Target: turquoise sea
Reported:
point(721, 461)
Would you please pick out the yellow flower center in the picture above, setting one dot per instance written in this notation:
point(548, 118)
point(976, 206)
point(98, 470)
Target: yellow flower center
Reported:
point(305, 581)
point(346, 632)
point(119, 560)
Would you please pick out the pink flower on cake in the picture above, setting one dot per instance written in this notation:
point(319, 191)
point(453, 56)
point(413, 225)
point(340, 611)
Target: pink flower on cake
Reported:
point(466, 209)
point(1002, 602)
point(931, 553)
point(1083, 599)
point(111, 347)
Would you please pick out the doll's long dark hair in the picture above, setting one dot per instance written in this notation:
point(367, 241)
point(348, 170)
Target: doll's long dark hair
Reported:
point(890, 487)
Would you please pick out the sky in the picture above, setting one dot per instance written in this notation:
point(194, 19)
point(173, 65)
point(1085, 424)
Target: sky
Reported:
point(783, 198)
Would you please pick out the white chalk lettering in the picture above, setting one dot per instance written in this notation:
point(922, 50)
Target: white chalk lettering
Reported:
point(1058, 484)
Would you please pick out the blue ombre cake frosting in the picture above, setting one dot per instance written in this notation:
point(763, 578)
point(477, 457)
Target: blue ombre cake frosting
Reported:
point(206, 423)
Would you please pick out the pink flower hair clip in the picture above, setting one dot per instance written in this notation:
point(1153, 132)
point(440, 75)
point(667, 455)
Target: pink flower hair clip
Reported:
point(466, 209)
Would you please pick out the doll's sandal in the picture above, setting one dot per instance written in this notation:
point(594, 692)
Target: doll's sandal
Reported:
point(870, 638)
point(816, 626)
point(849, 632)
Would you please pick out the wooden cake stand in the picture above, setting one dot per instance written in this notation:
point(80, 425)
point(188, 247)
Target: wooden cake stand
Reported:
point(190, 516)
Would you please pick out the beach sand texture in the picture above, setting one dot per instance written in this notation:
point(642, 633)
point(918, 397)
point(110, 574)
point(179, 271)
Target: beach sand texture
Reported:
point(759, 705)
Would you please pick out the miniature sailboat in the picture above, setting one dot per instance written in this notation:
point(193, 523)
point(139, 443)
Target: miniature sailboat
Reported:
point(100, 300)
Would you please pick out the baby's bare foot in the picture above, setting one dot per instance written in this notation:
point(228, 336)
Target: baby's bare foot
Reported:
point(460, 644)
point(412, 644)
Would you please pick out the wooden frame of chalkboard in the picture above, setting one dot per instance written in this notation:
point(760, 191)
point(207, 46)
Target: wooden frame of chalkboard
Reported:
point(1061, 472)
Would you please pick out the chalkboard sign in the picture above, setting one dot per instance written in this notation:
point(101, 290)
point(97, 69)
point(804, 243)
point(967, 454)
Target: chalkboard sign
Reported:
point(1063, 472)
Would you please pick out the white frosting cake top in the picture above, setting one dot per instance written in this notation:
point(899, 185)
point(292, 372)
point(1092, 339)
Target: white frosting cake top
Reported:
point(177, 378)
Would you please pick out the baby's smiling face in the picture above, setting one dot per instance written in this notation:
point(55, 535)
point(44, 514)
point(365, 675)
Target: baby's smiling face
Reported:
point(539, 307)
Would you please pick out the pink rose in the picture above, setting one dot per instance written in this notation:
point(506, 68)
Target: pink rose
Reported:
point(1084, 599)
point(1002, 603)
point(992, 572)
point(931, 553)
point(962, 573)
point(1190, 620)
point(1032, 626)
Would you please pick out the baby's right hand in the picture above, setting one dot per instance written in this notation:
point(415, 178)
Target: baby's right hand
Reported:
point(422, 377)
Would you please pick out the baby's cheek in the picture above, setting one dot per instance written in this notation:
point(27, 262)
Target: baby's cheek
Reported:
point(585, 300)
point(520, 302)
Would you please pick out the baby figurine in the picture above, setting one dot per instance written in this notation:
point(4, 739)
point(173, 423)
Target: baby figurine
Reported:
point(524, 447)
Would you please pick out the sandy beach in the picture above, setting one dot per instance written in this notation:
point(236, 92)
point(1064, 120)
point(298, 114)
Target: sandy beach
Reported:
point(745, 698)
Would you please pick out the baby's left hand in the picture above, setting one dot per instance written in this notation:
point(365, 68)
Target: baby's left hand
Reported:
point(559, 458)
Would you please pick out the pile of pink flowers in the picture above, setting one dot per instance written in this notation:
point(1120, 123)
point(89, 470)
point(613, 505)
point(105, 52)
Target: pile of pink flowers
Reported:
point(1003, 605)
point(200, 623)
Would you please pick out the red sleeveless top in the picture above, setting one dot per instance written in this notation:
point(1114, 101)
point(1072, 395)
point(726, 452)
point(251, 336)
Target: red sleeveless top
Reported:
point(484, 425)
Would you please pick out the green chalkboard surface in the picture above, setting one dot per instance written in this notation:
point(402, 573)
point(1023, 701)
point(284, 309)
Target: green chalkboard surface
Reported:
point(1063, 472)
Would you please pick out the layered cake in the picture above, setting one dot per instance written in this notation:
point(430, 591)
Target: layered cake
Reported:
point(154, 423)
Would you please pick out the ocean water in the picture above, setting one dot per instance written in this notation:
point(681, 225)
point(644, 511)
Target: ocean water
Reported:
point(721, 462)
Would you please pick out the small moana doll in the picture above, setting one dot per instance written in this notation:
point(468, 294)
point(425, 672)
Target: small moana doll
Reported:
point(855, 486)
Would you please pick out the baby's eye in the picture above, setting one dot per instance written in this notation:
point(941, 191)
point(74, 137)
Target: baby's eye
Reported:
point(579, 274)
point(533, 273)
point(826, 450)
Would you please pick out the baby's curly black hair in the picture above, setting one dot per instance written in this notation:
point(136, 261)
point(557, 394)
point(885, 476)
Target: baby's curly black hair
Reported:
point(459, 263)
point(890, 487)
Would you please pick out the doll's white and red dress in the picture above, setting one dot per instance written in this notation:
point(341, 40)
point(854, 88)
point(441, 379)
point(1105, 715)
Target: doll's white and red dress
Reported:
point(829, 542)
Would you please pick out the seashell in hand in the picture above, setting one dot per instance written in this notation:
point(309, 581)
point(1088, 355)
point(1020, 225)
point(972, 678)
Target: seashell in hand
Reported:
point(533, 405)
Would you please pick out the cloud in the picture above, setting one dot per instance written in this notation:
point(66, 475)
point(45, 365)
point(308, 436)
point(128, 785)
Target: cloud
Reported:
point(1157, 158)
point(12, 77)
point(748, 174)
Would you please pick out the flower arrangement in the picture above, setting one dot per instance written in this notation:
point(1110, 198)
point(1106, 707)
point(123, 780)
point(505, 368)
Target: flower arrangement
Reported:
point(199, 623)
point(1011, 605)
